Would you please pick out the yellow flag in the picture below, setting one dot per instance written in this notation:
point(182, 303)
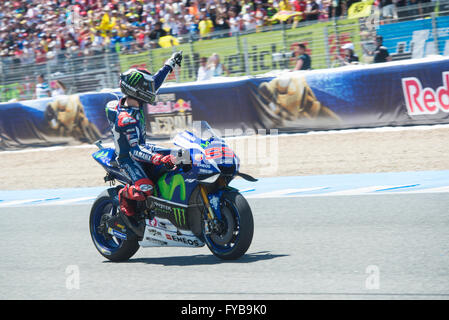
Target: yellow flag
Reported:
point(360, 9)
point(284, 15)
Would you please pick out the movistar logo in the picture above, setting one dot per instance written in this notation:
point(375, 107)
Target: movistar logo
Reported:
point(135, 77)
point(180, 216)
point(101, 154)
point(167, 190)
point(205, 144)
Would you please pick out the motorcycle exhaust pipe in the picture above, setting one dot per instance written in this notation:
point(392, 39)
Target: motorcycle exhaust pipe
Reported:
point(130, 225)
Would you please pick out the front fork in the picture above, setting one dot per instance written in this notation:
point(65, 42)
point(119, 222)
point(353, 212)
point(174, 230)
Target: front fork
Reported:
point(211, 219)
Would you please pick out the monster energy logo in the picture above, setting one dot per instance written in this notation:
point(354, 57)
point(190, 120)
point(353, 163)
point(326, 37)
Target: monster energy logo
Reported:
point(135, 77)
point(179, 214)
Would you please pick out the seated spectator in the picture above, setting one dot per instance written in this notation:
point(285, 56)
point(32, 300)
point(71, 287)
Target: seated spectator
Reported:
point(204, 72)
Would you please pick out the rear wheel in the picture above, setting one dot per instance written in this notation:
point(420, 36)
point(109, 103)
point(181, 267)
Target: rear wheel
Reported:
point(110, 247)
point(236, 228)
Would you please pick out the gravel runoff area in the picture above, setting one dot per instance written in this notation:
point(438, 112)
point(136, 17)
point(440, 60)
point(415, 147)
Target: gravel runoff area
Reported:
point(339, 152)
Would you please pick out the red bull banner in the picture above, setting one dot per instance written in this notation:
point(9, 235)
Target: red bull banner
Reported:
point(389, 94)
point(422, 101)
point(168, 115)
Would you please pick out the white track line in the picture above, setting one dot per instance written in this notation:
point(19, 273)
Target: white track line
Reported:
point(429, 190)
point(66, 201)
point(359, 190)
point(282, 193)
point(16, 202)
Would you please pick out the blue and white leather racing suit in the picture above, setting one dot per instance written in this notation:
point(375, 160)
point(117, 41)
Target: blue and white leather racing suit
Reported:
point(129, 133)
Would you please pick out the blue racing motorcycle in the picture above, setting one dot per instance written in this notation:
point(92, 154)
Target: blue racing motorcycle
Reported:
point(192, 205)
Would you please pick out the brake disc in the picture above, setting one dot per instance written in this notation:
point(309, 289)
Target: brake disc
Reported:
point(227, 233)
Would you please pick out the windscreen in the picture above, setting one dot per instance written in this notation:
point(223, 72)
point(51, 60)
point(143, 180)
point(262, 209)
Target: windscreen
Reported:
point(203, 130)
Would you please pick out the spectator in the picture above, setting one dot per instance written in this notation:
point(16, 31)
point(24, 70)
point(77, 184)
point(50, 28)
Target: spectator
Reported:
point(284, 5)
point(335, 8)
point(98, 42)
point(248, 18)
point(300, 6)
point(349, 57)
point(303, 60)
point(42, 89)
point(59, 89)
point(312, 11)
point(234, 22)
point(114, 41)
point(205, 26)
point(380, 53)
point(260, 15)
point(271, 11)
point(157, 32)
point(216, 67)
point(388, 10)
point(221, 23)
point(127, 40)
point(415, 11)
point(204, 72)
point(235, 7)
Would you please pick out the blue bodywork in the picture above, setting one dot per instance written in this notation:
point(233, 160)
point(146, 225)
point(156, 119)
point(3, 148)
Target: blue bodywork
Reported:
point(209, 158)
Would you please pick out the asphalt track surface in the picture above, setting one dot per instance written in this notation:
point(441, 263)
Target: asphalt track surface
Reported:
point(345, 247)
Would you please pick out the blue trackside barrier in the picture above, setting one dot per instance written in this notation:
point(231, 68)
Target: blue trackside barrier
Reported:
point(411, 92)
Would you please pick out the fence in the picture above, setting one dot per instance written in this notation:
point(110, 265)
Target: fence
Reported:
point(242, 53)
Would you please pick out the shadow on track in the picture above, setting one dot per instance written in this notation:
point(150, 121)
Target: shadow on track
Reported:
point(205, 259)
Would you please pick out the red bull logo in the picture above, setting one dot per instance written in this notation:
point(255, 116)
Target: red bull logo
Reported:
point(420, 101)
point(169, 106)
point(182, 106)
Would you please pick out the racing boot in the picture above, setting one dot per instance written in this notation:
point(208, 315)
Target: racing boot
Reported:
point(128, 195)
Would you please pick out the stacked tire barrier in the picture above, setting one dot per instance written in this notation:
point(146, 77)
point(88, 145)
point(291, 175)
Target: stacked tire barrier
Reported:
point(401, 93)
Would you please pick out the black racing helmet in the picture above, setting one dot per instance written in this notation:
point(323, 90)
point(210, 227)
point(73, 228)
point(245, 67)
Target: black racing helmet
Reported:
point(138, 83)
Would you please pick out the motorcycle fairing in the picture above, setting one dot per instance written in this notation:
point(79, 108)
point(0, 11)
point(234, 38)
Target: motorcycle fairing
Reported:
point(161, 232)
point(106, 157)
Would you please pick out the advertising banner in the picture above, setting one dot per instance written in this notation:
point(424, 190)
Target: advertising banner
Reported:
point(54, 121)
point(390, 94)
point(351, 97)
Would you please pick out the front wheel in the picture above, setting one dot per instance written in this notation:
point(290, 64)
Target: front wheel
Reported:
point(236, 230)
point(110, 247)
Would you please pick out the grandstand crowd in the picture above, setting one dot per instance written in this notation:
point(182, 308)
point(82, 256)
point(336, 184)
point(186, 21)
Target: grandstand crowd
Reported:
point(37, 30)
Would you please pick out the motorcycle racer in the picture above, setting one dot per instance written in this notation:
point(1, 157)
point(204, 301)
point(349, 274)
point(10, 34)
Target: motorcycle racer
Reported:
point(128, 128)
